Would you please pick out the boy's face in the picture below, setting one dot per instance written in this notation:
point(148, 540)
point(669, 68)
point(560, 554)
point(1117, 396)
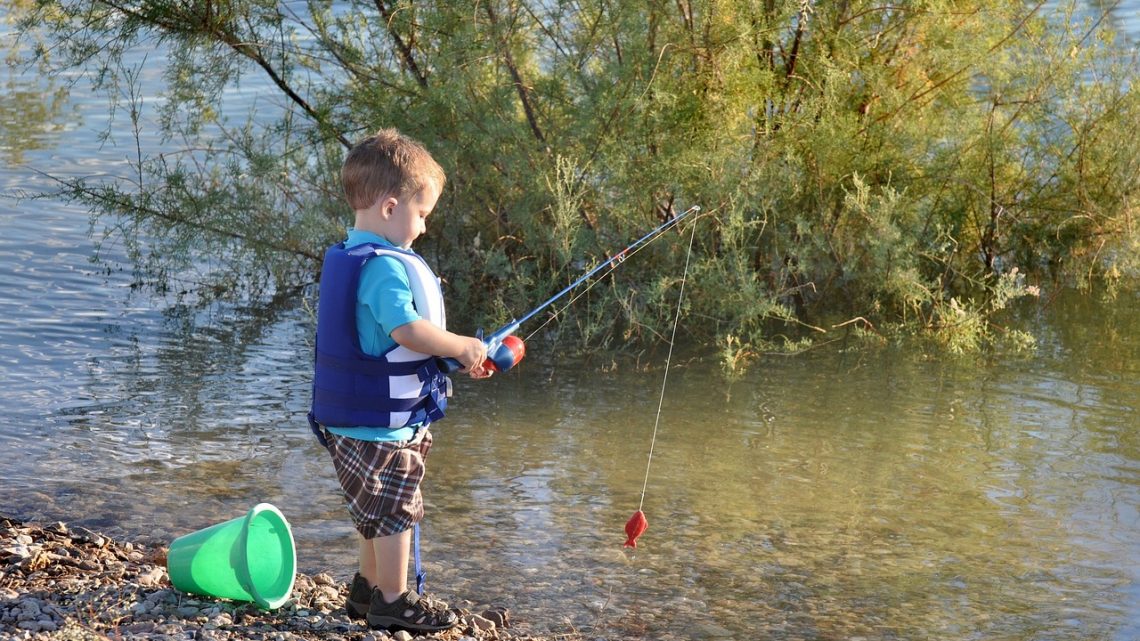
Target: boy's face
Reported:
point(405, 218)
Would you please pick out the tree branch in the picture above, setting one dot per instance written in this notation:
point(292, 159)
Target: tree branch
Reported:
point(953, 76)
point(512, 68)
point(404, 47)
point(212, 25)
point(113, 200)
point(801, 24)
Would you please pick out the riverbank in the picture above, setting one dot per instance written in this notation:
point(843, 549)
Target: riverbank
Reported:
point(67, 583)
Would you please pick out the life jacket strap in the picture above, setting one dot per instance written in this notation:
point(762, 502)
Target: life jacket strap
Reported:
point(365, 367)
point(421, 573)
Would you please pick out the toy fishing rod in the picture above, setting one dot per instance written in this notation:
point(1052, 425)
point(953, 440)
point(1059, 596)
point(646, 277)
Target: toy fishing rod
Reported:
point(505, 350)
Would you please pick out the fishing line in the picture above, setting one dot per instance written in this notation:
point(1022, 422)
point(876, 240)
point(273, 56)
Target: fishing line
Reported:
point(668, 360)
point(637, 524)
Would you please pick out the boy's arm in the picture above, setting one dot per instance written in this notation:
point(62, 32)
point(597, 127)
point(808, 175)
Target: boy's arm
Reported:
point(424, 337)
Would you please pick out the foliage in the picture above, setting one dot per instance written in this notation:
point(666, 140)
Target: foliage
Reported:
point(891, 168)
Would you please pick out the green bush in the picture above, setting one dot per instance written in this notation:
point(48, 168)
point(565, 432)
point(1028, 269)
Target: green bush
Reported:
point(893, 169)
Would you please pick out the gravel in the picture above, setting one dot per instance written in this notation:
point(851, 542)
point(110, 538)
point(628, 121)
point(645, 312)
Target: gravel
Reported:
point(69, 583)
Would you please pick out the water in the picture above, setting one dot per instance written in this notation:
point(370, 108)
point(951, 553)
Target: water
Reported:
point(835, 495)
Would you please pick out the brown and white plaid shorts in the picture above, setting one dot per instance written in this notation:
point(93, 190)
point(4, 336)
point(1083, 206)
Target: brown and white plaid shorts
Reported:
point(381, 481)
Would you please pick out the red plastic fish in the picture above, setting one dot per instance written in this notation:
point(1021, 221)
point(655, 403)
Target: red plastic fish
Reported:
point(634, 528)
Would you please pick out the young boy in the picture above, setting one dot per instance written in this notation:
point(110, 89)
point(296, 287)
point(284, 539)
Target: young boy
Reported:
point(376, 386)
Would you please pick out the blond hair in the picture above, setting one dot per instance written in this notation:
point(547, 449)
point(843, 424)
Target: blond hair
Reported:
point(387, 163)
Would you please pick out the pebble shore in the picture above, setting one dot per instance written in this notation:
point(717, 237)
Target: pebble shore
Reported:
point(67, 583)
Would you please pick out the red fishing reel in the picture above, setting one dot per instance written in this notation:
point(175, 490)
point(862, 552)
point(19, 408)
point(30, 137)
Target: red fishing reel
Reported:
point(506, 354)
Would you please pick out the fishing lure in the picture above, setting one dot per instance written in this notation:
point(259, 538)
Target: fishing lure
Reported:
point(635, 527)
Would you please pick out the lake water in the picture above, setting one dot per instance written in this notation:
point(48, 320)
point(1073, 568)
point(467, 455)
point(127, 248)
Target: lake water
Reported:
point(882, 494)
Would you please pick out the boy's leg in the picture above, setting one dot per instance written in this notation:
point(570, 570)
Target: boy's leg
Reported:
point(384, 563)
point(368, 568)
point(381, 482)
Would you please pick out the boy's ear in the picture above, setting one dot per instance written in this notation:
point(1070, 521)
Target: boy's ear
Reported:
point(387, 204)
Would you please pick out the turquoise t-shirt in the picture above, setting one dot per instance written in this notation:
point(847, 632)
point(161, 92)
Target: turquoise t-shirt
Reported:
point(383, 303)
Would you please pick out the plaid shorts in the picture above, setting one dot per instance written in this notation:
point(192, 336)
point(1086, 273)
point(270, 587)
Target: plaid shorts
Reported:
point(381, 481)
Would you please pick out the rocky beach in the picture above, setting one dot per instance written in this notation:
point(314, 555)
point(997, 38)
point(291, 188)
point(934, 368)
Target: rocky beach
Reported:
point(64, 582)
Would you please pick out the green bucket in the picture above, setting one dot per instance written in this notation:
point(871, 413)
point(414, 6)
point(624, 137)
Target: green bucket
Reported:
point(250, 558)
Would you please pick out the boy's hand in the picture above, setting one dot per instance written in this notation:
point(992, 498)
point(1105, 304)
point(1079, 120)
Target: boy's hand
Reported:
point(473, 356)
point(481, 372)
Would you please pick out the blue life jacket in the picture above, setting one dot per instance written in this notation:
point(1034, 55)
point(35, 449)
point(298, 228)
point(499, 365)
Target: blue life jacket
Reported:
point(351, 388)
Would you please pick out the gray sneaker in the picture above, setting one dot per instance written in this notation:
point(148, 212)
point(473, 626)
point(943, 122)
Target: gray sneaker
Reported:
point(359, 598)
point(410, 612)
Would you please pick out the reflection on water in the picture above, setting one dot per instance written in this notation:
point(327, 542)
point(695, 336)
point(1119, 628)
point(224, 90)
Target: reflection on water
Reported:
point(867, 497)
point(31, 114)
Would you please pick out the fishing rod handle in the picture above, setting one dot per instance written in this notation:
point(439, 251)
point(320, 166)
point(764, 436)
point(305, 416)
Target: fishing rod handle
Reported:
point(504, 351)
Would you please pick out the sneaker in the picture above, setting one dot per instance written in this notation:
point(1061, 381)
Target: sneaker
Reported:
point(410, 612)
point(359, 598)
